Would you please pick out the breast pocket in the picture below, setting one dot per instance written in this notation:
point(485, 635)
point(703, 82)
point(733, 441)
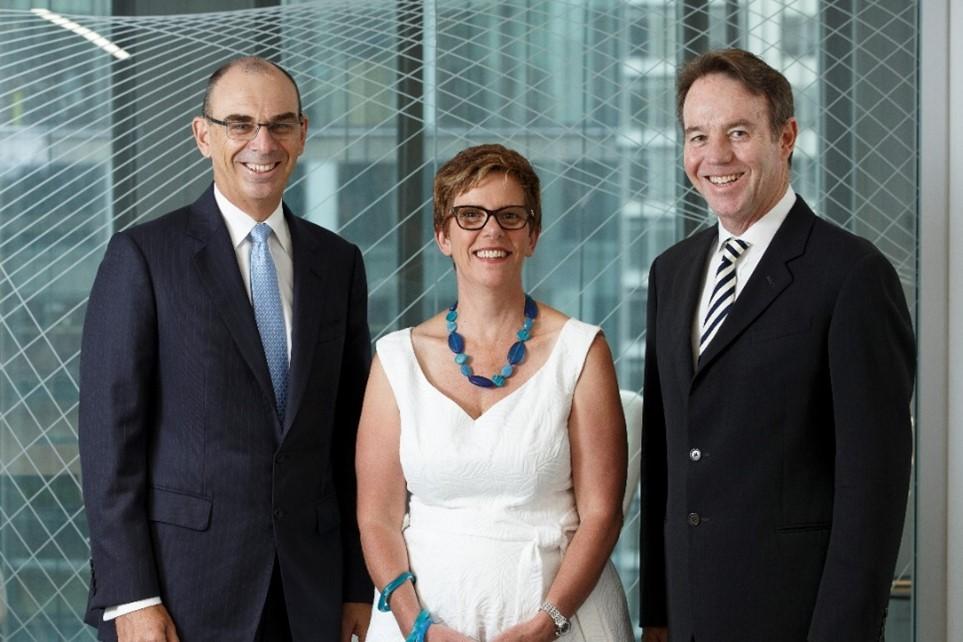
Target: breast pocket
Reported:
point(330, 329)
point(781, 329)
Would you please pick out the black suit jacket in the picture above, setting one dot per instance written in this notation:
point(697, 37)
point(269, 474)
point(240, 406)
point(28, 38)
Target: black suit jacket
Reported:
point(786, 524)
point(191, 486)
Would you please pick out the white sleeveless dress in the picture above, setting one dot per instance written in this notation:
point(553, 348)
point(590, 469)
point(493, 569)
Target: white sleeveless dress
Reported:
point(491, 503)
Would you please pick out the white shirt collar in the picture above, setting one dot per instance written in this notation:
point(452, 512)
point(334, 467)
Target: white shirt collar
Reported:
point(761, 233)
point(239, 224)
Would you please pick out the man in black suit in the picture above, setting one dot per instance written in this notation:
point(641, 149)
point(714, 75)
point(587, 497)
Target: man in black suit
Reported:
point(778, 375)
point(224, 359)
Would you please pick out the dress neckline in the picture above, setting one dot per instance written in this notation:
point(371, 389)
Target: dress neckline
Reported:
point(554, 351)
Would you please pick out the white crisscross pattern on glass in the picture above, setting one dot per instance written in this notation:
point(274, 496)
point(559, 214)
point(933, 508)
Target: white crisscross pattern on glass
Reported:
point(724, 291)
point(268, 313)
point(93, 145)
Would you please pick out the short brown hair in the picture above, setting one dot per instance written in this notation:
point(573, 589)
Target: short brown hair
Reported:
point(471, 166)
point(756, 76)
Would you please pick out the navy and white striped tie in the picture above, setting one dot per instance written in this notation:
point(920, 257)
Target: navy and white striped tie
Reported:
point(724, 291)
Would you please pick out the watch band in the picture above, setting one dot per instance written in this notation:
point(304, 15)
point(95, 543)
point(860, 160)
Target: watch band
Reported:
point(562, 625)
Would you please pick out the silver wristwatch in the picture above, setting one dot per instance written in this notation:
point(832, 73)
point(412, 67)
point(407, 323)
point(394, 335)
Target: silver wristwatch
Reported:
point(562, 625)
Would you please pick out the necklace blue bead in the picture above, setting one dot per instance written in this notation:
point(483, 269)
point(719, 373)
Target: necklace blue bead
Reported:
point(515, 354)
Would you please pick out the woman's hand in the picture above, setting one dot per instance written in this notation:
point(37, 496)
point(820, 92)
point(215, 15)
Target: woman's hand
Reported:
point(537, 629)
point(442, 633)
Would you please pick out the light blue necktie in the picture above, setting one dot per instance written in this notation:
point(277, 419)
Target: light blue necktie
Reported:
point(268, 313)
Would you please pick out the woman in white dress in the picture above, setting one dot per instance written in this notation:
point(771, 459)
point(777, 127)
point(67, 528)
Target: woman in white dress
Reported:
point(489, 503)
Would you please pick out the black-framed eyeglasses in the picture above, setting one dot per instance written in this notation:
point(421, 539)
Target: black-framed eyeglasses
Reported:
point(247, 130)
point(474, 217)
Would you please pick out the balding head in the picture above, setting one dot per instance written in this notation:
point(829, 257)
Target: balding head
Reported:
point(247, 64)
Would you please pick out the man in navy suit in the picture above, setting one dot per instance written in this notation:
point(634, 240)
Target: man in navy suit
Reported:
point(224, 359)
point(779, 370)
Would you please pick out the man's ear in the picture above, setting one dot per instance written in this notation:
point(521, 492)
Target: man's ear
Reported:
point(787, 138)
point(202, 130)
point(304, 133)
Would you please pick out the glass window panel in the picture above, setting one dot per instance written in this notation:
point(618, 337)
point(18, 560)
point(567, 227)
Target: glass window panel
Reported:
point(585, 88)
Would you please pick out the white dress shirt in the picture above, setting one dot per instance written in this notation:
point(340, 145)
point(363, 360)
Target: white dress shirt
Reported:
point(239, 226)
point(759, 236)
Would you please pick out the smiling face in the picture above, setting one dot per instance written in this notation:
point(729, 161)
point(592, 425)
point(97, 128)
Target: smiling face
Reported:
point(251, 174)
point(731, 154)
point(489, 255)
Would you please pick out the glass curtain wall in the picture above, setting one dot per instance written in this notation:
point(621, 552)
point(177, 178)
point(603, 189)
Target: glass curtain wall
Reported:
point(96, 142)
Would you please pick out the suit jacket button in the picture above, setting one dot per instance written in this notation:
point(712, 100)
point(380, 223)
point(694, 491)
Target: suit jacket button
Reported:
point(278, 513)
point(695, 454)
point(280, 459)
point(694, 519)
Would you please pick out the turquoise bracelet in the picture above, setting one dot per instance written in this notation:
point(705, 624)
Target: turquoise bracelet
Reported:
point(384, 602)
point(420, 627)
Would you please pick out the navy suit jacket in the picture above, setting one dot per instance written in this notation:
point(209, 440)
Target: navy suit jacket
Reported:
point(191, 485)
point(785, 525)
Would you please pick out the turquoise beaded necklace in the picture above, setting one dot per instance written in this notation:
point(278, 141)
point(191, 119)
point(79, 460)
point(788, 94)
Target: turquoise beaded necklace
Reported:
point(515, 354)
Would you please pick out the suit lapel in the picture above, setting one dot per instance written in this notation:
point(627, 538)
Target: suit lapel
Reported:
point(309, 290)
point(216, 265)
point(687, 291)
point(767, 282)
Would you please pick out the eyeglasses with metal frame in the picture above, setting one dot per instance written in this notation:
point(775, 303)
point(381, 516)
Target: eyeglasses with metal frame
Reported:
point(247, 130)
point(474, 217)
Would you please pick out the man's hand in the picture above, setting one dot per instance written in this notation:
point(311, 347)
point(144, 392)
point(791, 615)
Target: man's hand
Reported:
point(150, 624)
point(655, 634)
point(355, 617)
